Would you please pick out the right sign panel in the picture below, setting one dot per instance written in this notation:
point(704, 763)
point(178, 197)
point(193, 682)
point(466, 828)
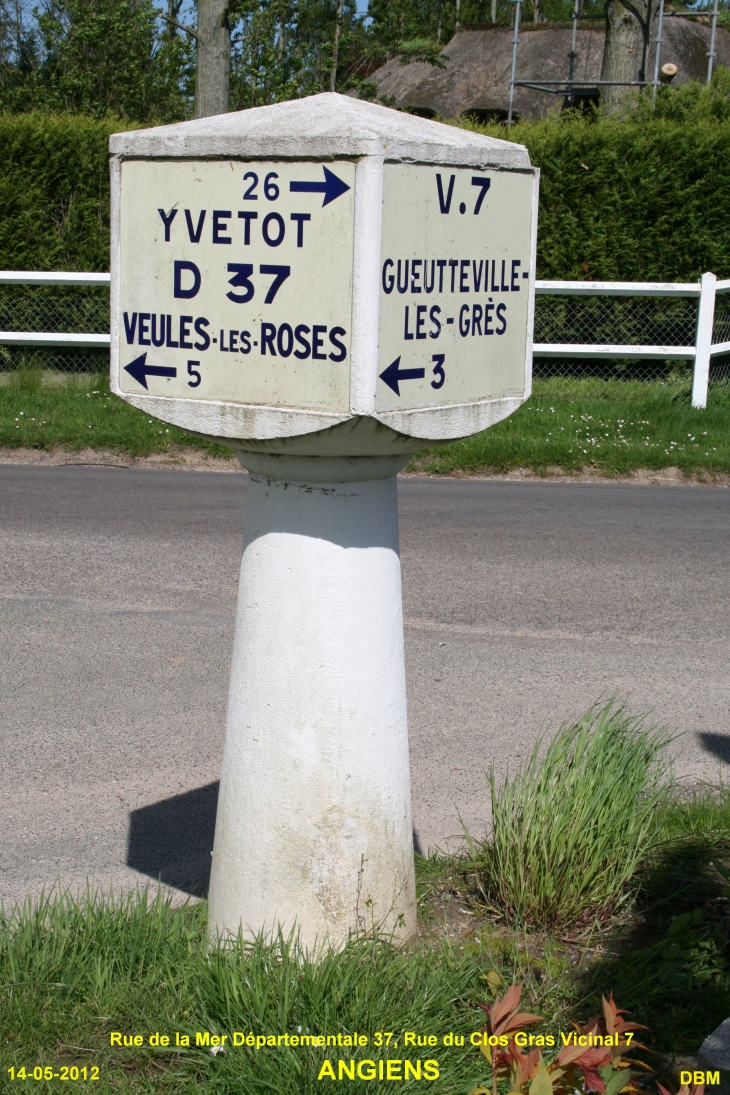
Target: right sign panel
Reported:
point(454, 285)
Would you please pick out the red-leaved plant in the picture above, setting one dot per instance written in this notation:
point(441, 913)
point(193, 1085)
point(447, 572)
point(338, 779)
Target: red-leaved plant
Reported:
point(575, 1068)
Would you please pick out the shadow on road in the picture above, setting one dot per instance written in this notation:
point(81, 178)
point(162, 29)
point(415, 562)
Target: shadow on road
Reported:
point(717, 744)
point(172, 840)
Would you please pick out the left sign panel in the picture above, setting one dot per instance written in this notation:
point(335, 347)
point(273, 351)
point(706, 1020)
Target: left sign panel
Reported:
point(236, 281)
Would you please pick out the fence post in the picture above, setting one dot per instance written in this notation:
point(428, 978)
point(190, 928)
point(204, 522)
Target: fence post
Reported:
point(703, 340)
point(713, 33)
point(515, 43)
point(657, 52)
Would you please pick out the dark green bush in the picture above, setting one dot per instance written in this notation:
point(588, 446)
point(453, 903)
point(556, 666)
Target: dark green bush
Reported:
point(54, 191)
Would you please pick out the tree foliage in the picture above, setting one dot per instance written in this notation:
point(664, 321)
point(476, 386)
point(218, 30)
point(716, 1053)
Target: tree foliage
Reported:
point(82, 56)
point(123, 58)
point(284, 49)
point(134, 59)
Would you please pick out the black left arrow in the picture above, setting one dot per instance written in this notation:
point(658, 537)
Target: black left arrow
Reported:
point(393, 374)
point(140, 370)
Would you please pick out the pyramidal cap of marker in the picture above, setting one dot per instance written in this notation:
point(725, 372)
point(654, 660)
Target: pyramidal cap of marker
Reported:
point(322, 277)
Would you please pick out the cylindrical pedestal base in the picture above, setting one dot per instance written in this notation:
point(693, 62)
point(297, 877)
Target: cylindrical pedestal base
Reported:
point(314, 813)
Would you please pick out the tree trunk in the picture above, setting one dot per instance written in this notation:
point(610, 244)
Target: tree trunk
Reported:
point(336, 49)
point(628, 26)
point(173, 14)
point(213, 69)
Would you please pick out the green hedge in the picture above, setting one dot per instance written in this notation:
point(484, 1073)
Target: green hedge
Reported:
point(654, 202)
point(54, 192)
point(636, 198)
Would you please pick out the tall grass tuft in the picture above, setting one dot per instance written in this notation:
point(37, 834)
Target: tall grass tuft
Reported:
point(27, 379)
point(571, 827)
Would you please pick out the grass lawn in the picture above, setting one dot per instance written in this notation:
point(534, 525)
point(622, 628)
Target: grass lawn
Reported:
point(72, 974)
point(40, 412)
point(613, 426)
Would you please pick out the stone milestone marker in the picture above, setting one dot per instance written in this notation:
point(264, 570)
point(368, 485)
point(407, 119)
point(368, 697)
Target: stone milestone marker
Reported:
point(327, 286)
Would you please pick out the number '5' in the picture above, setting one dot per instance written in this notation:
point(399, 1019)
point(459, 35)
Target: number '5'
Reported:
point(438, 370)
point(192, 371)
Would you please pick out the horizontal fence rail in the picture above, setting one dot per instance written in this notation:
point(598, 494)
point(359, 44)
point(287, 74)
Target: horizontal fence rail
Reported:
point(609, 352)
point(703, 293)
point(50, 340)
point(73, 340)
point(617, 288)
point(32, 277)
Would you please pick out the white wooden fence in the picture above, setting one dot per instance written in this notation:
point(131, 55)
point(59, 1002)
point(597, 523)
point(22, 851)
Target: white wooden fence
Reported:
point(50, 339)
point(700, 353)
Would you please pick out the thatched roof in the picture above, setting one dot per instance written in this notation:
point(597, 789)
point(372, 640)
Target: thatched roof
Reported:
point(478, 61)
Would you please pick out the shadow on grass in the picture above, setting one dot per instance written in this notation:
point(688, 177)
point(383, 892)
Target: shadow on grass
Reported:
point(671, 965)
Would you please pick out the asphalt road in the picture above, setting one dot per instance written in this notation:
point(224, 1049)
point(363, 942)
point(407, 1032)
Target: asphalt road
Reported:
point(524, 603)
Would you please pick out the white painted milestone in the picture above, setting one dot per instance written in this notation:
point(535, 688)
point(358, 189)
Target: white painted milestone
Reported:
point(326, 286)
point(237, 281)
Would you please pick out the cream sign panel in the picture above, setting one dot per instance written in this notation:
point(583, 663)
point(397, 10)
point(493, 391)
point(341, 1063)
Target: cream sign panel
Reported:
point(237, 281)
point(454, 285)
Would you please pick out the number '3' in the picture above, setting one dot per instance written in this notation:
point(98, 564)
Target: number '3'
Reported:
point(438, 370)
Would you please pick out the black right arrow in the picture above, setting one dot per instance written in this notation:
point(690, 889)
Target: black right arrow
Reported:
point(393, 374)
point(140, 370)
point(332, 187)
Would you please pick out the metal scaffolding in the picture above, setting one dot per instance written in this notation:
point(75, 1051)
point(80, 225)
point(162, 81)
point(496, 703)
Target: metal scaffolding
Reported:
point(570, 86)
